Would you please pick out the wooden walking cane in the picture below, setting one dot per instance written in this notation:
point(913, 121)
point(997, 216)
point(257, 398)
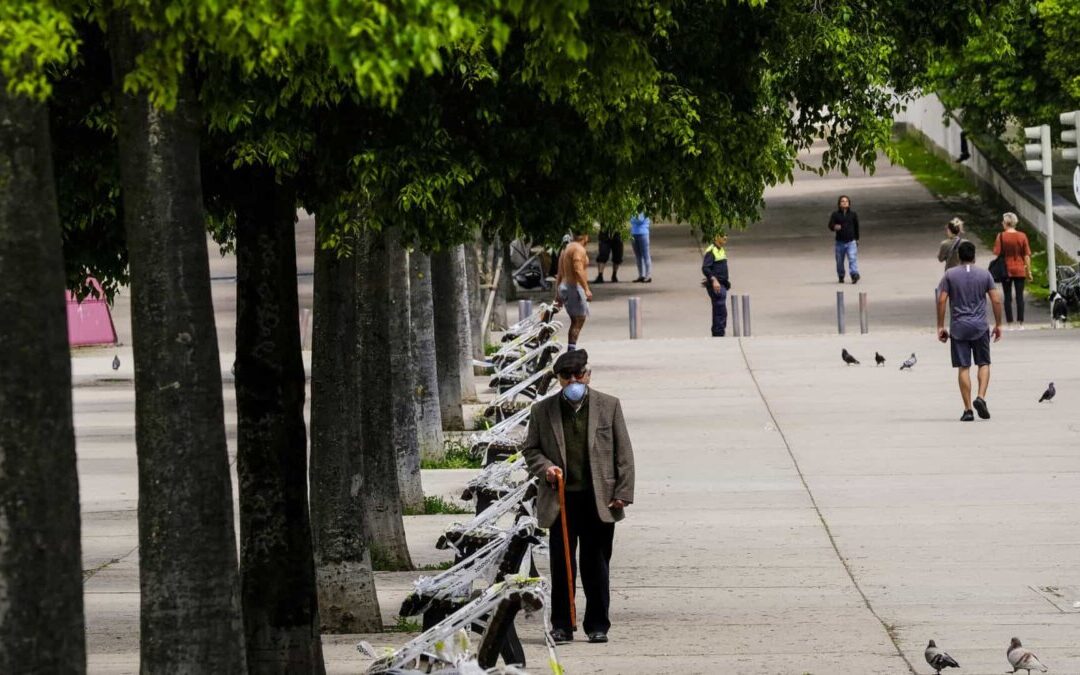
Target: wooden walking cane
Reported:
point(566, 552)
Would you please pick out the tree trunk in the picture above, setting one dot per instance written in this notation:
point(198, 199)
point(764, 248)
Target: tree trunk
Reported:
point(452, 335)
point(188, 578)
point(422, 327)
point(41, 603)
point(277, 574)
point(347, 600)
point(476, 298)
point(403, 386)
point(382, 496)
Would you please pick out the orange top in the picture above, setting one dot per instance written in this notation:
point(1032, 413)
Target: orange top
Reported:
point(1014, 246)
point(573, 264)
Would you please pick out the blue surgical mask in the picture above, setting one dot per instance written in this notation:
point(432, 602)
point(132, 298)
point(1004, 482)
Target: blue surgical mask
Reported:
point(574, 392)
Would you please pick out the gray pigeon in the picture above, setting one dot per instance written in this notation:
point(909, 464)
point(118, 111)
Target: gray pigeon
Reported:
point(879, 359)
point(1049, 394)
point(848, 358)
point(1023, 659)
point(910, 363)
point(116, 362)
point(938, 658)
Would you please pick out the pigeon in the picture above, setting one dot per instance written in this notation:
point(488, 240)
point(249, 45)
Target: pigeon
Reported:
point(1023, 659)
point(910, 363)
point(939, 659)
point(879, 359)
point(848, 358)
point(1049, 393)
point(116, 362)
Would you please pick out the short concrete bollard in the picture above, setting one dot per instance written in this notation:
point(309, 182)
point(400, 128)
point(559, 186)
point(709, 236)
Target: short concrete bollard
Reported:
point(634, 305)
point(841, 324)
point(736, 324)
point(864, 317)
point(746, 316)
point(524, 309)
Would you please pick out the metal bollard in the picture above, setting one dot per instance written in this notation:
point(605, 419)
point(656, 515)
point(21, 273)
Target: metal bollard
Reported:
point(524, 309)
point(736, 328)
point(840, 318)
point(634, 305)
point(864, 317)
point(746, 316)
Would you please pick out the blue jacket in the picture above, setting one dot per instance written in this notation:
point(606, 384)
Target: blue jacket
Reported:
point(639, 224)
point(714, 265)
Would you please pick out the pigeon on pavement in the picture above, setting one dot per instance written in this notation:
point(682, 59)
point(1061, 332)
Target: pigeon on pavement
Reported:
point(938, 658)
point(848, 358)
point(1049, 393)
point(910, 363)
point(116, 362)
point(879, 359)
point(1023, 659)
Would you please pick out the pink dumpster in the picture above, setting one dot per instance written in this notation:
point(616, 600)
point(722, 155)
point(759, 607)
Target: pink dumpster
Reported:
point(89, 322)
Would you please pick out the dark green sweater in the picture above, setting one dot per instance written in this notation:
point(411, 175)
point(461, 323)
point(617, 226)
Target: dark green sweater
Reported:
point(576, 438)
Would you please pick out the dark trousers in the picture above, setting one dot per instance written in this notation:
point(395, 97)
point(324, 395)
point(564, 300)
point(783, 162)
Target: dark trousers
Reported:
point(1007, 287)
point(590, 551)
point(719, 309)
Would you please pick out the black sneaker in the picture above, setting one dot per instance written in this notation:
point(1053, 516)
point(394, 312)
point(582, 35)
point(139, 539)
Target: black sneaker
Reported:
point(597, 637)
point(599, 279)
point(855, 278)
point(639, 280)
point(968, 416)
point(840, 280)
point(561, 637)
point(647, 280)
point(980, 407)
point(614, 279)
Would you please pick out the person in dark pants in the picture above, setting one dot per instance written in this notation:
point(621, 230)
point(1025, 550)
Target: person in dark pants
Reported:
point(715, 268)
point(580, 435)
point(1013, 244)
point(845, 223)
point(611, 247)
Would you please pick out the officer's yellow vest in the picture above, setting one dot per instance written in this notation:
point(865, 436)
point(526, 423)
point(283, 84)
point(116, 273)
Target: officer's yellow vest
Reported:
point(717, 252)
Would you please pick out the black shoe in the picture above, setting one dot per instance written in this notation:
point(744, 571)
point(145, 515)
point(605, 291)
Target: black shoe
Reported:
point(597, 636)
point(980, 407)
point(647, 280)
point(855, 278)
point(599, 279)
point(639, 280)
point(614, 279)
point(561, 637)
point(968, 416)
point(840, 280)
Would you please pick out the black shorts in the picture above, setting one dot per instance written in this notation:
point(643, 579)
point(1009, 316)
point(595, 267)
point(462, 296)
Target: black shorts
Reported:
point(962, 351)
point(611, 246)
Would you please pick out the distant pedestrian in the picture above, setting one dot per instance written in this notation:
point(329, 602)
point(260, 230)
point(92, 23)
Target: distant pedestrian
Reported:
point(1014, 246)
point(949, 252)
point(611, 248)
point(572, 286)
point(715, 268)
point(845, 223)
point(965, 288)
point(580, 436)
point(639, 231)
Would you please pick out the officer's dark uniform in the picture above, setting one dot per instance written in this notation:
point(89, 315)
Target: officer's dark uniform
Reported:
point(715, 266)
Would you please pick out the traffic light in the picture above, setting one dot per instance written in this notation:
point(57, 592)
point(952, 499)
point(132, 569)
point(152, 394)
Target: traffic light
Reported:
point(1071, 136)
point(1037, 155)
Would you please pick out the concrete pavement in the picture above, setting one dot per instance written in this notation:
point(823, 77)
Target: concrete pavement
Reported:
point(793, 514)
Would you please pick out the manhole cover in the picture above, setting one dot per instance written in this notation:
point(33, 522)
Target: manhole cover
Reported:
point(1065, 598)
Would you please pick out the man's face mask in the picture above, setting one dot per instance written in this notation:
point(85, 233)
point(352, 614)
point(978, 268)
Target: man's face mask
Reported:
point(574, 392)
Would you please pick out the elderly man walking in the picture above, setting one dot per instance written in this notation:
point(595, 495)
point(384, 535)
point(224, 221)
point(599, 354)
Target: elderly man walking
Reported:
point(579, 436)
point(965, 288)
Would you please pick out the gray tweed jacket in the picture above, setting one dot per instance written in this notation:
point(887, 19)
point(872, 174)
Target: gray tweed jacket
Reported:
point(611, 457)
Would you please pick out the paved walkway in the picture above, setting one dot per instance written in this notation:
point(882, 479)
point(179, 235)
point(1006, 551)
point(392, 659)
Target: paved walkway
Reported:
point(794, 515)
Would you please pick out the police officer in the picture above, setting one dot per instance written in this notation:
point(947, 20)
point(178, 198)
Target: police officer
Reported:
point(715, 269)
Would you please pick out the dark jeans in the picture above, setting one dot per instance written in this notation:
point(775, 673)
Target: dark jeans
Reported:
point(1007, 287)
point(590, 550)
point(719, 309)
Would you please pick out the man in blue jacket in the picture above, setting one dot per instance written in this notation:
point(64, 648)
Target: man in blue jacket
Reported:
point(715, 268)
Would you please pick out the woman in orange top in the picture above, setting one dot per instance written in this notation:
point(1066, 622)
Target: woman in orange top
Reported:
point(1014, 246)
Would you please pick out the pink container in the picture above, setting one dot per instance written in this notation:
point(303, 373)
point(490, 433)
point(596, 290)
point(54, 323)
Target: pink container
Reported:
point(89, 322)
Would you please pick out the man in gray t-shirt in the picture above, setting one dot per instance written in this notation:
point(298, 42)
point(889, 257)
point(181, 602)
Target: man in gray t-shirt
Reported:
point(966, 287)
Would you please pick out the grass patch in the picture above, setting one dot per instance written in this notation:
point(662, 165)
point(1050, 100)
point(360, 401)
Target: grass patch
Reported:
point(938, 175)
point(456, 455)
point(490, 349)
point(434, 504)
point(404, 624)
point(437, 567)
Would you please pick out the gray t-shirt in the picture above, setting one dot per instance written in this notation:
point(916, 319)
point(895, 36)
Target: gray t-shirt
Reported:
point(967, 287)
